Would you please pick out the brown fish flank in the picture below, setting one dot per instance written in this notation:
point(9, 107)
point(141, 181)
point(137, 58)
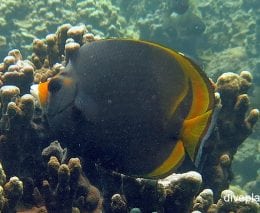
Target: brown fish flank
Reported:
point(145, 106)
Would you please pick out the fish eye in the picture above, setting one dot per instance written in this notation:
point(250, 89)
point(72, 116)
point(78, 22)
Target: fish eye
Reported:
point(54, 85)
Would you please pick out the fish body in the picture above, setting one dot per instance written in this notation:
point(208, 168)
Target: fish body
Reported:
point(134, 106)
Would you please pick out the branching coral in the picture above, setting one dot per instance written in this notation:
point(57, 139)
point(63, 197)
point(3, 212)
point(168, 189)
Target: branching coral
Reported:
point(228, 202)
point(18, 132)
point(17, 72)
point(232, 128)
point(67, 187)
point(123, 193)
point(36, 18)
point(10, 192)
point(52, 53)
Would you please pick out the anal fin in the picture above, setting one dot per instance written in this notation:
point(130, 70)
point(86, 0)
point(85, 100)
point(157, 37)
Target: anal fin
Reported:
point(171, 163)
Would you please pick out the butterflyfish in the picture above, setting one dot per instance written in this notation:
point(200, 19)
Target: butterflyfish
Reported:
point(133, 106)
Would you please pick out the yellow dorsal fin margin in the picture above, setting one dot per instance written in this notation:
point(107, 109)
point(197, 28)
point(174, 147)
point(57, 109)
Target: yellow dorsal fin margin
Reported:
point(200, 88)
point(192, 131)
point(172, 162)
point(197, 121)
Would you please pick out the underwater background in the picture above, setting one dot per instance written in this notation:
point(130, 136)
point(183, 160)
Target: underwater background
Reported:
point(221, 36)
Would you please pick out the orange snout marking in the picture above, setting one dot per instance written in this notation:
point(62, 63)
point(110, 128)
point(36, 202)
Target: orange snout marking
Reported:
point(43, 93)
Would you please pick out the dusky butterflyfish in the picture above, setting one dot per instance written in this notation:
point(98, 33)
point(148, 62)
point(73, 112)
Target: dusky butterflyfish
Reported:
point(133, 106)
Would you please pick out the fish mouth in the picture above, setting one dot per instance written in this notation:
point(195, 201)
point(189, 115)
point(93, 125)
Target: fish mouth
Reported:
point(34, 90)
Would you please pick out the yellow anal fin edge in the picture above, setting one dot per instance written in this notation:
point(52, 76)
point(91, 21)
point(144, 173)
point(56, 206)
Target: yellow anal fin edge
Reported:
point(171, 163)
point(193, 131)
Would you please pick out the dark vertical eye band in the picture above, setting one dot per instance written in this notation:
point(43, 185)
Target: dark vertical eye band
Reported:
point(55, 85)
